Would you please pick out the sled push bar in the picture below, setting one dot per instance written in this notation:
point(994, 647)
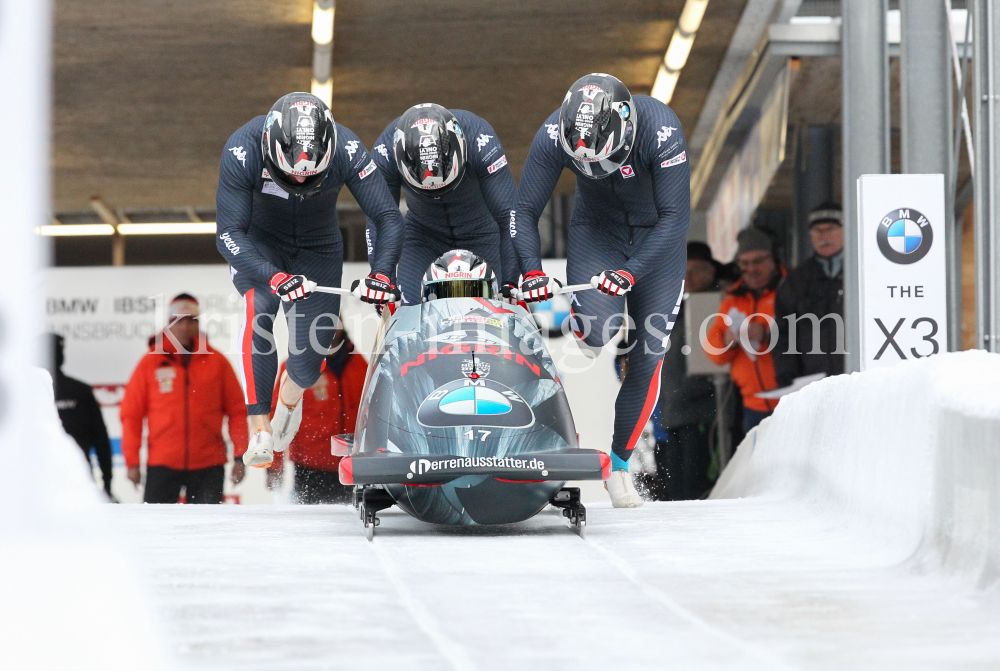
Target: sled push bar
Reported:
point(334, 290)
point(430, 470)
point(569, 288)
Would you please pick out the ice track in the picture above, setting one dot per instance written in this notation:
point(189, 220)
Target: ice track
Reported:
point(730, 584)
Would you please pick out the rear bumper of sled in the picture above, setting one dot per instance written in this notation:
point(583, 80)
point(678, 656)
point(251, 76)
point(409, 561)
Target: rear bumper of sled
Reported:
point(389, 468)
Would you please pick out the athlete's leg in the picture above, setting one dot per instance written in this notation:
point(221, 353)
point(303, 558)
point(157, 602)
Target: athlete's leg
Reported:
point(596, 317)
point(258, 360)
point(419, 251)
point(311, 322)
point(652, 306)
point(485, 245)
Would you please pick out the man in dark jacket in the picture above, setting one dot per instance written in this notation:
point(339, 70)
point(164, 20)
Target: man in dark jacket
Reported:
point(687, 402)
point(79, 411)
point(815, 287)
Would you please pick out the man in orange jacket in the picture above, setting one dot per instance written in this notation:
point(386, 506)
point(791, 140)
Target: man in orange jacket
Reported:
point(183, 388)
point(751, 298)
point(331, 408)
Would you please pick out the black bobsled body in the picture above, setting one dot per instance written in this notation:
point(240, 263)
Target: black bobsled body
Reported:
point(464, 419)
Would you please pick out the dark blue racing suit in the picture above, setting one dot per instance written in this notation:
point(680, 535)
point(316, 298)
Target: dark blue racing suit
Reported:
point(635, 219)
point(474, 215)
point(263, 230)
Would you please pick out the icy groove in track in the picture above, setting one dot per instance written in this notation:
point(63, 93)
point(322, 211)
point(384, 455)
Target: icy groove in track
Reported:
point(422, 617)
point(699, 586)
point(661, 597)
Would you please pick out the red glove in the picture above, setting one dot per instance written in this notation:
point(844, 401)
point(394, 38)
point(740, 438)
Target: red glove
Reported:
point(291, 288)
point(615, 282)
point(378, 289)
point(537, 287)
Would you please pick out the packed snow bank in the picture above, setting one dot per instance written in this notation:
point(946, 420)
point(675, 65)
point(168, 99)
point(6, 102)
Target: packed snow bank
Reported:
point(70, 597)
point(908, 455)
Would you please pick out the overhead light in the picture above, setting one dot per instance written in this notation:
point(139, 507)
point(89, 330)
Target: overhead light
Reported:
point(322, 28)
point(65, 230)
point(679, 49)
point(188, 228)
point(691, 16)
point(663, 87)
point(323, 91)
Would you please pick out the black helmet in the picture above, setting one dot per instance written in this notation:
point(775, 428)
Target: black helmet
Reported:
point(459, 274)
point(430, 149)
point(597, 124)
point(299, 140)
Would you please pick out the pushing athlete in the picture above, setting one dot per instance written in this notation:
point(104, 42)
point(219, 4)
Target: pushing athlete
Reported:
point(459, 191)
point(279, 181)
point(628, 229)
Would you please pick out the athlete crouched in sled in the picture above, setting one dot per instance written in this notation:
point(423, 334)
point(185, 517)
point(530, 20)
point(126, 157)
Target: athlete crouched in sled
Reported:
point(628, 229)
point(279, 181)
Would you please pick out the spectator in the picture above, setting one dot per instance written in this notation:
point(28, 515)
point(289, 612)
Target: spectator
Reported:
point(331, 408)
point(183, 388)
point(727, 276)
point(815, 287)
point(752, 298)
point(79, 411)
point(687, 402)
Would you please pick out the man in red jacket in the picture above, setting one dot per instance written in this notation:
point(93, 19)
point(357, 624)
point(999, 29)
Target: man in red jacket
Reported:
point(183, 388)
point(331, 408)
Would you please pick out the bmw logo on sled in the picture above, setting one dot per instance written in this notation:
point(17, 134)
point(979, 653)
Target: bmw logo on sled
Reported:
point(463, 419)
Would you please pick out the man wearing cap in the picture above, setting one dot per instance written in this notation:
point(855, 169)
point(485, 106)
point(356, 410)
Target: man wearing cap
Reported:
point(182, 389)
point(747, 346)
point(815, 287)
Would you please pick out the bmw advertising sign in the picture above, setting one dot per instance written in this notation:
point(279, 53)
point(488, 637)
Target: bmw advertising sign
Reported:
point(905, 236)
point(481, 402)
point(902, 268)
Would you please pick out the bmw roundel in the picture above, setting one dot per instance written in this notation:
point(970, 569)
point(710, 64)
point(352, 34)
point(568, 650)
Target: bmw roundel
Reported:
point(479, 402)
point(904, 236)
point(474, 400)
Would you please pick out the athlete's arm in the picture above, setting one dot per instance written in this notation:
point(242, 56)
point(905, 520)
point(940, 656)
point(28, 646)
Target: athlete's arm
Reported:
point(382, 155)
point(671, 177)
point(541, 172)
point(487, 157)
point(234, 204)
point(368, 186)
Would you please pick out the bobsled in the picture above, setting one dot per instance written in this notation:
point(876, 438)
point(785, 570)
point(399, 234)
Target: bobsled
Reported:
point(464, 420)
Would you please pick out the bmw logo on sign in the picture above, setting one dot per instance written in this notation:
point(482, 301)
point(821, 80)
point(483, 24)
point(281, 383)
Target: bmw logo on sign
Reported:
point(904, 236)
point(479, 402)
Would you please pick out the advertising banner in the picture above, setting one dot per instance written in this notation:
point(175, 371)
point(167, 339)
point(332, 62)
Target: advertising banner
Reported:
point(903, 276)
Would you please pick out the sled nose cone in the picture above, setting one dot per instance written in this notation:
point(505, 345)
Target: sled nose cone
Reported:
point(605, 467)
point(347, 471)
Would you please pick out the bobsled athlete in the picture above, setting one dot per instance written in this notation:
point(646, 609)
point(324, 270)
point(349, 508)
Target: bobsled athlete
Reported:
point(459, 191)
point(277, 228)
point(628, 229)
point(459, 273)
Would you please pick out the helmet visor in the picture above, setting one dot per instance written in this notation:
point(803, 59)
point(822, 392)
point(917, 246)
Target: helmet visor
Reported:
point(482, 288)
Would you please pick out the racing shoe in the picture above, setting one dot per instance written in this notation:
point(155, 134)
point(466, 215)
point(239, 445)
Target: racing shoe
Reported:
point(259, 453)
point(285, 424)
point(622, 491)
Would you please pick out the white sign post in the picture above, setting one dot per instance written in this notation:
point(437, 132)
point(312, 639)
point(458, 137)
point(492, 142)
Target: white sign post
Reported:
point(903, 274)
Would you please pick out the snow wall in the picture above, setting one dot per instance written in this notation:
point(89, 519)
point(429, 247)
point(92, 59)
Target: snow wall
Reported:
point(72, 598)
point(908, 456)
